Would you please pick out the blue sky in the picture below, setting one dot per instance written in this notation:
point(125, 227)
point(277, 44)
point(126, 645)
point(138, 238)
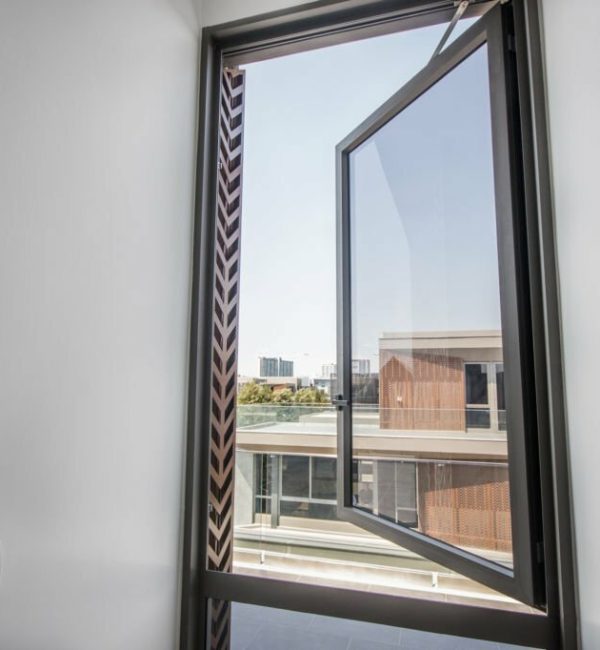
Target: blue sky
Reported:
point(424, 254)
point(297, 108)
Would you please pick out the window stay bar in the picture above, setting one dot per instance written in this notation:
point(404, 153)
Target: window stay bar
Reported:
point(460, 10)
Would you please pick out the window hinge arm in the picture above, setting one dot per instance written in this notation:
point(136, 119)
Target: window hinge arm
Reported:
point(460, 10)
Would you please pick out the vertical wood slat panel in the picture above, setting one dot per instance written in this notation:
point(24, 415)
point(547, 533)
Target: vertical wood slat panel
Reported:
point(422, 391)
point(465, 505)
point(224, 345)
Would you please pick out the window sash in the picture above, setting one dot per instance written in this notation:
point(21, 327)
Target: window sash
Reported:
point(524, 580)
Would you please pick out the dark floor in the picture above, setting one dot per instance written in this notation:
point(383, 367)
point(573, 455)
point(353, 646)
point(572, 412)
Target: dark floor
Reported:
point(265, 628)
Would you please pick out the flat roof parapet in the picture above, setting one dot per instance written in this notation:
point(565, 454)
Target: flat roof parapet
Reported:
point(459, 339)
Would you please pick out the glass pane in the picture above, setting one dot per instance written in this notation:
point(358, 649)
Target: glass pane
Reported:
point(478, 418)
point(262, 506)
point(263, 474)
point(396, 491)
point(476, 380)
point(294, 476)
point(426, 314)
point(308, 509)
point(406, 493)
point(500, 396)
point(362, 481)
point(323, 478)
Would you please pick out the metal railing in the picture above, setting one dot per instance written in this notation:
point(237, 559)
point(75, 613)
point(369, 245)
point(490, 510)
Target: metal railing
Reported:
point(370, 418)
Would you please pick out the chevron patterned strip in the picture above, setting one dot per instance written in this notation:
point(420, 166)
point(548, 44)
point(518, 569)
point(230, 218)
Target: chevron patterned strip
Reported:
point(224, 344)
point(220, 625)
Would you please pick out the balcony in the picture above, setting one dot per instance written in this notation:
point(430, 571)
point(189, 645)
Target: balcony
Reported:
point(286, 523)
point(313, 429)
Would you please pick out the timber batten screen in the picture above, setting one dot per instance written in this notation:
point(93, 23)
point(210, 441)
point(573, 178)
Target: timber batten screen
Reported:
point(224, 345)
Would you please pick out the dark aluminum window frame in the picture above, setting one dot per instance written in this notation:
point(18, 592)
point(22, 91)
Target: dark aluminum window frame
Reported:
point(526, 581)
point(327, 22)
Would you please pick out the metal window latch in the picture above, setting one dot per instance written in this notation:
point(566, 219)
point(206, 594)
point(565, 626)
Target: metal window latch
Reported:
point(339, 402)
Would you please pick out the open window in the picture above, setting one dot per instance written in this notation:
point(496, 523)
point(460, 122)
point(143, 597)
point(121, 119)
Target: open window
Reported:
point(451, 443)
point(433, 290)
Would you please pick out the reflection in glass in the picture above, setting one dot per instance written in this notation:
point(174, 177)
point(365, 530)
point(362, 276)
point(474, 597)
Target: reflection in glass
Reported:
point(426, 312)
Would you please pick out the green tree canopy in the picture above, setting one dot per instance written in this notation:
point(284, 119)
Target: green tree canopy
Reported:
point(285, 396)
point(311, 395)
point(253, 393)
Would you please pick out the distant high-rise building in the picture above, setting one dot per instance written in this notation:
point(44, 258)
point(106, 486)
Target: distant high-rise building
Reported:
point(269, 367)
point(329, 371)
point(275, 367)
point(359, 367)
point(286, 368)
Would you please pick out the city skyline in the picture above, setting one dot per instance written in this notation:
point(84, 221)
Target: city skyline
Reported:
point(277, 366)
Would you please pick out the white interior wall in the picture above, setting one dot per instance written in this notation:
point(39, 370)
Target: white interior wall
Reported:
point(572, 54)
point(215, 12)
point(97, 130)
point(96, 166)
